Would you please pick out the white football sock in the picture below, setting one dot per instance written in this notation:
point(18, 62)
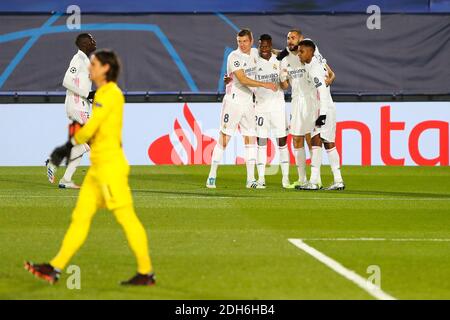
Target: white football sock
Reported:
point(250, 160)
point(261, 163)
point(333, 158)
point(316, 162)
point(284, 161)
point(300, 161)
point(76, 154)
point(216, 158)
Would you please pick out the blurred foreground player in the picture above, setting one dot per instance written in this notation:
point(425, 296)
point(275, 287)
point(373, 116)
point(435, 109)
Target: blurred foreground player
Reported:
point(106, 182)
point(78, 107)
point(324, 133)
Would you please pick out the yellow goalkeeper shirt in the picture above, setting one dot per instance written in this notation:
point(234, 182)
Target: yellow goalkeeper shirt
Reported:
point(103, 131)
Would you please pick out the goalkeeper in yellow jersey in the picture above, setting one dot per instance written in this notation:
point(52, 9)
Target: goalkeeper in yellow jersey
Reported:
point(106, 182)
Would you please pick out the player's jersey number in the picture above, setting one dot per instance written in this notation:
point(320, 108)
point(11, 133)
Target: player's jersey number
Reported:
point(259, 121)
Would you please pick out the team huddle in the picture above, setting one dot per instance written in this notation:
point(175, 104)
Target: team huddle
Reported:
point(254, 103)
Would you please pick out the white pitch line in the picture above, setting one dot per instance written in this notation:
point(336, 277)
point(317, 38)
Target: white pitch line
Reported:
point(364, 284)
point(380, 239)
point(237, 197)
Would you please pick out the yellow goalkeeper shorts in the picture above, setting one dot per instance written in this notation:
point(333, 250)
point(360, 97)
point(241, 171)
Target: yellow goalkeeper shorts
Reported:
point(109, 185)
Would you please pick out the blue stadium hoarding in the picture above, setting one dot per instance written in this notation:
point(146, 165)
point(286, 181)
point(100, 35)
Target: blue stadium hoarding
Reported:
point(270, 6)
point(407, 55)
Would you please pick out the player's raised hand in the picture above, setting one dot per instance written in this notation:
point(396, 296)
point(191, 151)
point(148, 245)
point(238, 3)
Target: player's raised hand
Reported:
point(321, 120)
point(60, 153)
point(271, 86)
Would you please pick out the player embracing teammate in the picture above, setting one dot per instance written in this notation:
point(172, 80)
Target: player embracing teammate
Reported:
point(238, 107)
point(312, 114)
point(318, 98)
point(270, 111)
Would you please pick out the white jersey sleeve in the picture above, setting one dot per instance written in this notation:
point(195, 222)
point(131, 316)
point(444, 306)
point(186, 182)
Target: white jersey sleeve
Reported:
point(319, 56)
point(235, 62)
point(317, 73)
point(75, 80)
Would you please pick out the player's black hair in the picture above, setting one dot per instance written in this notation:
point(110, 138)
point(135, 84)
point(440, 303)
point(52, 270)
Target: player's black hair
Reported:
point(81, 38)
point(265, 37)
point(245, 32)
point(297, 31)
point(308, 43)
point(110, 58)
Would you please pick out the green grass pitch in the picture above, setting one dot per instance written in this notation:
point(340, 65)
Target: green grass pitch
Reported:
point(232, 243)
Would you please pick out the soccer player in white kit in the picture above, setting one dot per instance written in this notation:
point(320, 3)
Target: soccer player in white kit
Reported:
point(270, 111)
point(78, 106)
point(325, 125)
point(302, 117)
point(238, 107)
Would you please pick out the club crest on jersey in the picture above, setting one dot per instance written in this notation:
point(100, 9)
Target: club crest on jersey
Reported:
point(237, 64)
point(98, 104)
point(73, 70)
point(317, 82)
point(275, 67)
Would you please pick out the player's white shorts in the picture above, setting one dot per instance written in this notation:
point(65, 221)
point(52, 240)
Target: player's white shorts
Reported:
point(302, 117)
point(234, 115)
point(79, 116)
point(328, 130)
point(78, 112)
point(272, 123)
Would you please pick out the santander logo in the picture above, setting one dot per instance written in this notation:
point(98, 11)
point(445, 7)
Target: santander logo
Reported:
point(377, 144)
point(163, 151)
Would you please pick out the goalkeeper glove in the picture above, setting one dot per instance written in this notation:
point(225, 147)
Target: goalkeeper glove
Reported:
point(321, 120)
point(61, 152)
point(91, 95)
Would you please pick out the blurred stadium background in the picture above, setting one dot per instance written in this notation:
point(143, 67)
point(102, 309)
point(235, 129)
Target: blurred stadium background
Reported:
point(173, 54)
point(393, 106)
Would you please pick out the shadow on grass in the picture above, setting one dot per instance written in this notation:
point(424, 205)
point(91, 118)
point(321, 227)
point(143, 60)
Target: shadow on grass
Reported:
point(44, 183)
point(193, 194)
point(397, 194)
point(337, 194)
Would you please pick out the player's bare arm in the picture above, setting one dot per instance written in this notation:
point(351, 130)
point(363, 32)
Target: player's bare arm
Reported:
point(246, 81)
point(331, 76)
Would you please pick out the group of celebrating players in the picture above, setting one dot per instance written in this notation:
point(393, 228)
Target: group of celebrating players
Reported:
point(254, 102)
